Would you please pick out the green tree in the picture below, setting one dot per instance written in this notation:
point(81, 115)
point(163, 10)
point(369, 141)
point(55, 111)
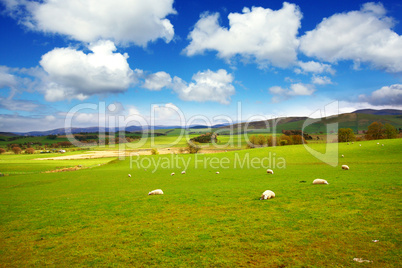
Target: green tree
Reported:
point(375, 131)
point(346, 135)
point(390, 131)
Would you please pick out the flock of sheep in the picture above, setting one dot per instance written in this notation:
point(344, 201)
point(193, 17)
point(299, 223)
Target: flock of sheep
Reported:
point(268, 194)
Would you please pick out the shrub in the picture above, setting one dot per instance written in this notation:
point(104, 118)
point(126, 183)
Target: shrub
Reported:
point(154, 151)
point(270, 141)
point(16, 150)
point(2, 151)
point(192, 148)
point(261, 140)
point(285, 140)
point(298, 139)
point(206, 138)
point(253, 140)
point(250, 146)
point(30, 151)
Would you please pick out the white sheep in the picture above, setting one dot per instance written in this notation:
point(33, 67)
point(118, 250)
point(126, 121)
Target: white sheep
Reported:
point(270, 171)
point(382, 144)
point(217, 172)
point(129, 175)
point(268, 194)
point(345, 167)
point(183, 172)
point(172, 174)
point(378, 143)
point(343, 156)
point(360, 145)
point(320, 181)
point(154, 192)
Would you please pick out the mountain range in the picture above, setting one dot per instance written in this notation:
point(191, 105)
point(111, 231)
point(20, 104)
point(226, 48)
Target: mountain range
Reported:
point(358, 120)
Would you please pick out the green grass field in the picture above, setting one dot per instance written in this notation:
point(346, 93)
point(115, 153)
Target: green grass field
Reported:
point(101, 217)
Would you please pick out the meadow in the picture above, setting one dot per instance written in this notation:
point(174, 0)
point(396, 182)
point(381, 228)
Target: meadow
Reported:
point(99, 216)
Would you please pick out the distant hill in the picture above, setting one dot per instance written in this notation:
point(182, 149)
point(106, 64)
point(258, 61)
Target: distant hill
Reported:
point(8, 134)
point(379, 112)
point(358, 120)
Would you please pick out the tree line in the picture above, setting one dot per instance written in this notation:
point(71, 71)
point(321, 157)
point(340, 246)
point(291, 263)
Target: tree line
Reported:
point(375, 131)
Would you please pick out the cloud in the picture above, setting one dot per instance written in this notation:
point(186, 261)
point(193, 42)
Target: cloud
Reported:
point(18, 123)
point(314, 67)
point(74, 74)
point(7, 80)
point(387, 95)
point(362, 36)
point(297, 89)
point(207, 86)
point(264, 35)
point(18, 105)
point(166, 111)
point(321, 80)
point(157, 81)
point(122, 21)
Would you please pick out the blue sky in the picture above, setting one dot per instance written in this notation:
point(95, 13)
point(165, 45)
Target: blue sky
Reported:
point(201, 58)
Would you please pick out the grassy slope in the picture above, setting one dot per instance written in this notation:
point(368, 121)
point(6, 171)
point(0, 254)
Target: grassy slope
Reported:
point(351, 120)
point(101, 217)
point(25, 164)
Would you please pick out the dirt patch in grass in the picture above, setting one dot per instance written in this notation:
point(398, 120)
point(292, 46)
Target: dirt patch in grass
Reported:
point(116, 153)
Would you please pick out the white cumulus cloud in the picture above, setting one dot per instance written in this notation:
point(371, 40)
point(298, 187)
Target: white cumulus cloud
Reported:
point(207, 86)
point(361, 36)
point(123, 21)
point(264, 35)
point(74, 74)
point(314, 67)
point(321, 80)
point(157, 81)
point(387, 95)
point(297, 89)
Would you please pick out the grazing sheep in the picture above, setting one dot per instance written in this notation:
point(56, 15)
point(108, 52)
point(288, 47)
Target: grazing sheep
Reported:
point(183, 172)
point(217, 172)
point(360, 145)
point(378, 143)
point(382, 144)
point(172, 174)
point(343, 156)
point(270, 171)
point(348, 143)
point(154, 192)
point(268, 194)
point(345, 167)
point(129, 175)
point(320, 181)
point(353, 143)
